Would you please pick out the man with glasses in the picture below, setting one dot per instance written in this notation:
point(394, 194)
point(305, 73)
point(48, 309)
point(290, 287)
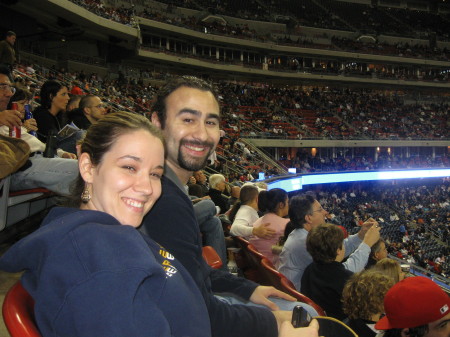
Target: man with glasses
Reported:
point(10, 118)
point(91, 109)
point(306, 213)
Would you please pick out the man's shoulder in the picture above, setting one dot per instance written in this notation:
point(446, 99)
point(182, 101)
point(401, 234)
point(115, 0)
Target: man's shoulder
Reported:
point(298, 235)
point(169, 187)
point(296, 242)
point(173, 202)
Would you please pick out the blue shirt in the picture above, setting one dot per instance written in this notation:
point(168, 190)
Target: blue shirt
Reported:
point(294, 257)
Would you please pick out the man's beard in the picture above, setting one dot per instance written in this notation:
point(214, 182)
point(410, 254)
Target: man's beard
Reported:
point(193, 164)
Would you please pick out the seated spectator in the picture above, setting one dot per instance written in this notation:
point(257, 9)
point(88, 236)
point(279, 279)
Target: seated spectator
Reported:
point(76, 90)
point(91, 109)
point(416, 307)
point(195, 192)
point(8, 118)
point(245, 212)
point(235, 192)
point(55, 174)
point(201, 180)
point(49, 116)
point(323, 280)
point(217, 186)
point(54, 98)
point(117, 275)
point(172, 219)
point(377, 252)
point(305, 214)
point(275, 205)
point(211, 227)
point(74, 103)
point(22, 97)
point(362, 300)
point(390, 268)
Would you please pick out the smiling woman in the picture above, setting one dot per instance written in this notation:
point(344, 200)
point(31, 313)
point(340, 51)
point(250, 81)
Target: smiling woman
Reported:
point(87, 268)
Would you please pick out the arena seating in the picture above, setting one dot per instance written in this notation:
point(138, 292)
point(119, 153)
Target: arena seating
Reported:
point(19, 205)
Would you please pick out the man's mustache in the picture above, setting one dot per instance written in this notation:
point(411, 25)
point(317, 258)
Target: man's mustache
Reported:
point(197, 143)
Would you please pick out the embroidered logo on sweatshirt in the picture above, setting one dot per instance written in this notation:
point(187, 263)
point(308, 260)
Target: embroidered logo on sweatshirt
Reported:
point(167, 266)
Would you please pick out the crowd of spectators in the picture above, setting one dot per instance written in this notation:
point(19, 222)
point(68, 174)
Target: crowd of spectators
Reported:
point(255, 110)
point(400, 49)
point(306, 163)
point(329, 113)
point(282, 63)
point(214, 26)
point(415, 216)
point(254, 10)
point(121, 14)
point(347, 16)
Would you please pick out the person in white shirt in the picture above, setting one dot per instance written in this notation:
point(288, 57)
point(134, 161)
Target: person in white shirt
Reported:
point(245, 212)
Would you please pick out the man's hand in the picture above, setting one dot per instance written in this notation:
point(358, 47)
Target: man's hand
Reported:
point(69, 155)
point(282, 317)
point(263, 231)
point(261, 296)
point(10, 118)
point(372, 235)
point(30, 124)
point(287, 330)
point(366, 226)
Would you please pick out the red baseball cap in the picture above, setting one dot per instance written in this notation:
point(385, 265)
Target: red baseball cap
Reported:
point(413, 302)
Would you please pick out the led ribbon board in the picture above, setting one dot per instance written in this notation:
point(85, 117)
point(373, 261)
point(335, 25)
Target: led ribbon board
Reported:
point(295, 183)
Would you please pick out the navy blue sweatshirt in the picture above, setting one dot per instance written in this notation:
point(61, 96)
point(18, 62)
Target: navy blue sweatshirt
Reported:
point(91, 276)
point(172, 223)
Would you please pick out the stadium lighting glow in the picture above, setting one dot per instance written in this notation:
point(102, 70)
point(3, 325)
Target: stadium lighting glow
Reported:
point(290, 184)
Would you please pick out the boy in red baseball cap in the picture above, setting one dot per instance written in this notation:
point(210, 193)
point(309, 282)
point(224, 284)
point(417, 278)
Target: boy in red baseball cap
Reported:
point(416, 307)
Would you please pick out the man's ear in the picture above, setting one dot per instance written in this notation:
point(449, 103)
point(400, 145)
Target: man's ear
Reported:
point(307, 218)
point(86, 167)
point(155, 119)
point(376, 255)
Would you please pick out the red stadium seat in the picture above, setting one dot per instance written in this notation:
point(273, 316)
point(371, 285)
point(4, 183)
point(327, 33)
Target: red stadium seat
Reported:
point(242, 262)
point(18, 313)
point(255, 258)
point(211, 257)
point(243, 259)
point(289, 288)
point(271, 274)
